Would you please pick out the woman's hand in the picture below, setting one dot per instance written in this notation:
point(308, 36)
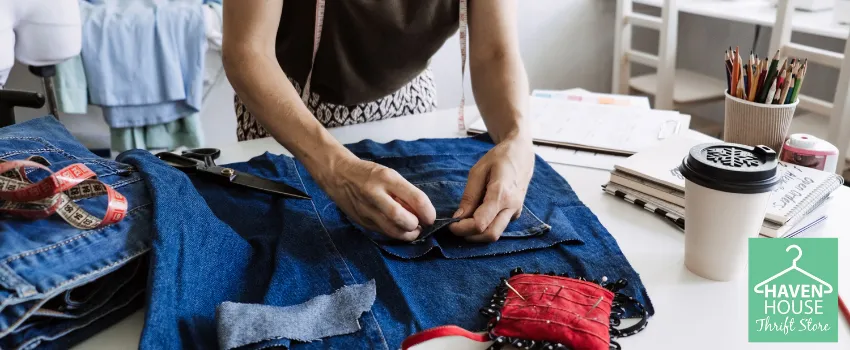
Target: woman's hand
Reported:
point(495, 191)
point(377, 198)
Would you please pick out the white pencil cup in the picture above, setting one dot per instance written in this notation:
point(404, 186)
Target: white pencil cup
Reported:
point(752, 124)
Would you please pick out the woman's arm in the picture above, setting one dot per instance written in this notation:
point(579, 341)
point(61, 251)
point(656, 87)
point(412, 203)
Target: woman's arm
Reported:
point(497, 184)
point(499, 81)
point(368, 193)
point(248, 49)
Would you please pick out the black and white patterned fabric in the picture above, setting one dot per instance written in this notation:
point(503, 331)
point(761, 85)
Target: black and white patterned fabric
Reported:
point(418, 96)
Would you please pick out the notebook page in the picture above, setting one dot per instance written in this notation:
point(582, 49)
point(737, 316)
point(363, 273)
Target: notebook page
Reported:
point(599, 127)
point(603, 126)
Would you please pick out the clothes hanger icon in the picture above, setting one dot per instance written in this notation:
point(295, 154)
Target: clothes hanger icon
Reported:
point(793, 267)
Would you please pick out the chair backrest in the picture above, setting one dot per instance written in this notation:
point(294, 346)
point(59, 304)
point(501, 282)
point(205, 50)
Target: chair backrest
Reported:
point(838, 111)
point(667, 26)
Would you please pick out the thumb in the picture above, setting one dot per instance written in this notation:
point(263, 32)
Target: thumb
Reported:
point(472, 195)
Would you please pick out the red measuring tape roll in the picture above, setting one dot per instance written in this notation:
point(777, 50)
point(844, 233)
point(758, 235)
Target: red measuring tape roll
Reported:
point(56, 194)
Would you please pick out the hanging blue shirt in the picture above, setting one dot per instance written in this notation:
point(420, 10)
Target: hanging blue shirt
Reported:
point(144, 61)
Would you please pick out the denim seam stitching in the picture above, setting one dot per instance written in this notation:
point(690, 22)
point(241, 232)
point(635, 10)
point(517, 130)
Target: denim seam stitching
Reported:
point(20, 285)
point(325, 229)
point(50, 146)
point(56, 290)
point(31, 151)
point(69, 240)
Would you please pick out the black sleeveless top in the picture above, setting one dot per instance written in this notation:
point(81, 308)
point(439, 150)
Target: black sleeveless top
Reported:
point(369, 48)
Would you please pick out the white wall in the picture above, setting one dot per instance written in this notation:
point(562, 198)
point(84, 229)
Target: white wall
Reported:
point(564, 44)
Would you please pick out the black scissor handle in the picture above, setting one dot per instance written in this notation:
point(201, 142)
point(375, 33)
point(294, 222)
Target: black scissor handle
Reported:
point(207, 155)
point(180, 162)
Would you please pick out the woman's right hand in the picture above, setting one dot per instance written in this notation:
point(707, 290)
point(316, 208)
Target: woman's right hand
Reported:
point(377, 197)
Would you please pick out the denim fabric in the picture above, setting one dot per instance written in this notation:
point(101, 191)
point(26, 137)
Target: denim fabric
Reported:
point(222, 243)
point(321, 317)
point(54, 278)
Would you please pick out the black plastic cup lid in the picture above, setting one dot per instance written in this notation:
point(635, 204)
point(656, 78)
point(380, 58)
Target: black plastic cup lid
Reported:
point(730, 167)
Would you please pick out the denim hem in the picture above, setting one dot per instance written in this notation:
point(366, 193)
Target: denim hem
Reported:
point(37, 341)
point(339, 262)
point(62, 287)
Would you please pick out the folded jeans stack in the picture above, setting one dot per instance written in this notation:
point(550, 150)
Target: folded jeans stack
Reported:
point(60, 284)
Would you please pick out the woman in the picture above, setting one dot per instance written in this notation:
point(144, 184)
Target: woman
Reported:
point(371, 63)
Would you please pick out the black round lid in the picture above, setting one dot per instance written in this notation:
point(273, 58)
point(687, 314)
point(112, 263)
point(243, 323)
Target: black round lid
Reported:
point(730, 167)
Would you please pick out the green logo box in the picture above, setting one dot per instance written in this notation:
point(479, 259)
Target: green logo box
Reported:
point(793, 290)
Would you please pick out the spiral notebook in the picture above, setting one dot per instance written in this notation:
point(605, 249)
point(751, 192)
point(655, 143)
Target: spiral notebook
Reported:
point(655, 172)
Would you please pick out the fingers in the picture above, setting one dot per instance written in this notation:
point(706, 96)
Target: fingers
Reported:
point(392, 212)
point(374, 220)
point(472, 194)
point(494, 231)
point(402, 195)
point(414, 200)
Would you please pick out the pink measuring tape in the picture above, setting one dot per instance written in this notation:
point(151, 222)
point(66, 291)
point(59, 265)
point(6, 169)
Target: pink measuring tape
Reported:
point(56, 193)
point(317, 37)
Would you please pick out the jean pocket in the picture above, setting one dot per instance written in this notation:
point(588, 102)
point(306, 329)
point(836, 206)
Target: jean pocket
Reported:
point(525, 233)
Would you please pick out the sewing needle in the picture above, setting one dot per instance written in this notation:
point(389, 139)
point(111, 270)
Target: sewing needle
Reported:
point(593, 307)
point(515, 291)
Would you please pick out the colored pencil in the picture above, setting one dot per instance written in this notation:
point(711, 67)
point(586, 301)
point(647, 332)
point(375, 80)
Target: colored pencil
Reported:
point(734, 90)
point(769, 98)
point(785, 86)
point(771, 75)
point(799, 82)
point(791, 90)
point(754, 83)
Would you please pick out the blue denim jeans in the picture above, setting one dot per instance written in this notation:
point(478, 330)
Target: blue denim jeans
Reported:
point(214, 243)
point(59, 284)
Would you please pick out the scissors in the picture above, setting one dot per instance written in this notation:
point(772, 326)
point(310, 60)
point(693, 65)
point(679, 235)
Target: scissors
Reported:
point(201, 161)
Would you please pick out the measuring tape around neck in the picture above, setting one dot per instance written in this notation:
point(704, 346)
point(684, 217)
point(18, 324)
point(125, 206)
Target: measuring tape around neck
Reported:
point(463, 30)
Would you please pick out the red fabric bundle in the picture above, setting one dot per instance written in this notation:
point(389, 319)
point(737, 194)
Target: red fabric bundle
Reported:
point(556, 309)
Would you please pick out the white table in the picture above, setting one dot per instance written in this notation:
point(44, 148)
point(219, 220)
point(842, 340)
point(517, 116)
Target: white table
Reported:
point(760, 12)
point(691, 312)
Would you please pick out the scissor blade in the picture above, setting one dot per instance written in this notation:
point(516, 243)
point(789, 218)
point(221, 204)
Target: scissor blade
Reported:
point(267, 185)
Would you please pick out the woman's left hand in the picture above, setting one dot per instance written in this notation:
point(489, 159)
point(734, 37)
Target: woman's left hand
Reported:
point(495, 191)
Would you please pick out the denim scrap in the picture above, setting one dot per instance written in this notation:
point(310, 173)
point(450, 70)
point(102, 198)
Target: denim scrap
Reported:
point(323, 316)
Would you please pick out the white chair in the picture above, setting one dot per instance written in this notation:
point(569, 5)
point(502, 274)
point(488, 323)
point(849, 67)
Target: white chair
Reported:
point(669, 85)
point(837, 111)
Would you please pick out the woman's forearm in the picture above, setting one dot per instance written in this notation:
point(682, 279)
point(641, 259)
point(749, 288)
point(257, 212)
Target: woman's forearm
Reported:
point(498, 76)
point(500, 85)
point(264, 89)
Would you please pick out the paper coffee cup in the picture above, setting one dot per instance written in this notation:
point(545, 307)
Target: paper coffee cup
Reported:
point(727, 189)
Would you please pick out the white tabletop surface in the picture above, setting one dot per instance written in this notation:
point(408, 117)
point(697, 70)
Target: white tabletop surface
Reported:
point(761, 12)
point(691, 312)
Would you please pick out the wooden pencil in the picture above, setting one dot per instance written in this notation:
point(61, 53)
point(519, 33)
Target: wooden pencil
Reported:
point(785, 87)
point(769, 98)
point(755, 78)
point(799, 82)
point(735, 71)
point(771, 75)
point(790, 89)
